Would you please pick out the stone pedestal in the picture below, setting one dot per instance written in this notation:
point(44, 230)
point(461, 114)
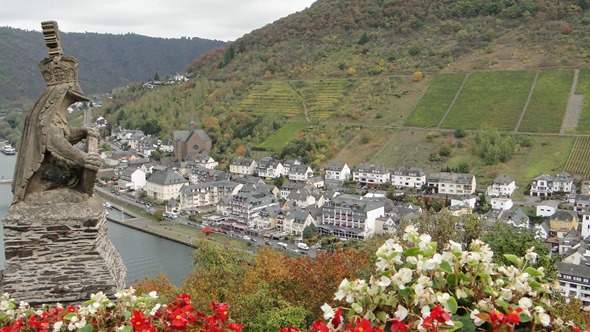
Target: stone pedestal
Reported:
point(59, 252)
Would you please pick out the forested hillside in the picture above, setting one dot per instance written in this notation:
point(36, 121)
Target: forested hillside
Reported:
point(106, 61)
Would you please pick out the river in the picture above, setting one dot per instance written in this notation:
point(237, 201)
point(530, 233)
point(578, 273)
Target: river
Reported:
point(143, 254)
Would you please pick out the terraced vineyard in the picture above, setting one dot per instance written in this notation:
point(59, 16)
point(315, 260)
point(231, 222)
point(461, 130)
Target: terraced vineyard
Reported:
point(273, 97)
point(578, 161)
point(323, 96)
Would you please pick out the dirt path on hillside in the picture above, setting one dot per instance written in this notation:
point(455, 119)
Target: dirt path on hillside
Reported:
point(528, 100)
point(305, 113)
point(453, 102)
point(574, 107)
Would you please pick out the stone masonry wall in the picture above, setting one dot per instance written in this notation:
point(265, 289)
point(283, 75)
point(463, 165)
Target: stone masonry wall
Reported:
point(59, 252)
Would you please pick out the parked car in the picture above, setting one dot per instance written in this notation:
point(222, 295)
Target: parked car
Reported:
point(253, 239)
point(247, 238)
point(268, 243)
point(281, 244)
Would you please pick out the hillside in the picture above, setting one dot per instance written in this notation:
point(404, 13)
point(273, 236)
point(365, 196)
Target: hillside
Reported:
point(106, 61)
point(346, 68)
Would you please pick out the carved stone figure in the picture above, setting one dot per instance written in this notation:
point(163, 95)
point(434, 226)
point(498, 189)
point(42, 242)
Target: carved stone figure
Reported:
point(47, 158)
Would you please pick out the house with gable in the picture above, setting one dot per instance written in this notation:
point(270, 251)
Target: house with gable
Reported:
point(546, 185)
point(206, 194)
point(241, 165)
point(268, 167)
point(164, 185)
point(408, 177)
point(562, 221)
point(502, 203)
point(336, 173)
point(585, 228)
point(300, 173)
point(516, 218)
point(452, 183)
point(288, 187)
point(294, 221)
point(205, 161)
point(574, 272)
point(582, 203)
point(287, 165)
point(371, 175)
point(131, 178)
point(193, 141)
point(502, 186)
point(245, 208)
point(546, 208)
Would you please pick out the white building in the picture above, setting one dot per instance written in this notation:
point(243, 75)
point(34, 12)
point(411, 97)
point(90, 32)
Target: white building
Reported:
point(452, 183)
point(547, 208)
point(300, 173)
point(502, 186)
point(337, 171)
point(164, 185)
point(371, 175)
point(501, 203)
point(408, 177)
point(245, 166)
point(351, 217)
point(269, 168)
point(206, 194)
point(545, 185)
point(131, 178)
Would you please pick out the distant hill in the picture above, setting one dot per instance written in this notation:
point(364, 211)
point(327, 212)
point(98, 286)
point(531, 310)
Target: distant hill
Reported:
point(106, 61)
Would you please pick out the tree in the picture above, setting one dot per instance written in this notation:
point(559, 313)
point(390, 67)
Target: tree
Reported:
point(156, 77)
point(506, 239)
point(417, 76)
point(309, 231)
point(159, 215)
point(494, 147)
point(364, 39)
point(207, 230)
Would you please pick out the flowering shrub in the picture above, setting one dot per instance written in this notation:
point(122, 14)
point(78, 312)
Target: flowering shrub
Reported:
point(128, 313)
point(417, 288)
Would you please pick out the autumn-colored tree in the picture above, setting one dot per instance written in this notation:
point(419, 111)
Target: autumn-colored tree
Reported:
point(351, 71)
point(161, 284)
point(210, 122)
point(240, 151)
point(207, 230)
point(417, 76)
point(566, 30)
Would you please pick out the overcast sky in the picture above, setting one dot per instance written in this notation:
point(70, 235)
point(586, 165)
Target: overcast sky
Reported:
point(211, 19)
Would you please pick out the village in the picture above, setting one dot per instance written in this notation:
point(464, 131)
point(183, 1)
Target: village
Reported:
point(279, 198)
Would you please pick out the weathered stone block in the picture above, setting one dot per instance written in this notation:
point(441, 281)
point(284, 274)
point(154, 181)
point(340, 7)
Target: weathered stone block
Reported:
point(62, 255)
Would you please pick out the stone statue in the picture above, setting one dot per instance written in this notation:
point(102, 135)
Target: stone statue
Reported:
point(48, 159)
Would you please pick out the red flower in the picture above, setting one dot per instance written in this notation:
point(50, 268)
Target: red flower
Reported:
point(398, 326)
point(337, 319)
point(235, 327)
point(429, 324)
point(221, 310)
point(513, 316)
point(440, 314)
point(289, 329)
point(364, 326)
point(319, 326)
point(140, 323)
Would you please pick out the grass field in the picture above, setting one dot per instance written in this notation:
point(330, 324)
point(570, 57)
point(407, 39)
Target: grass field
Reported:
point(492, 99)
point(583, 88)
point(548, 104)
point(436, 101)
point(280, 138)
point(579, 159)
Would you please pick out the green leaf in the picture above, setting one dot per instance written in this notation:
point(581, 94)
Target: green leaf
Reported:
point(87, 328)
point(467, 323)
point(514, 259)
point(446, 267)
point(70, 316)
point(412, 251)
point(452, 280)
point(457, 325)
point(452, 304)
point(524, 318)
point(533, 272)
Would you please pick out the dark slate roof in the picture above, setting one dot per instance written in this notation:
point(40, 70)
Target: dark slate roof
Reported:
point(564, 215)
point(462, 178)
point(335, 166)
point(503, 180)
point(408, 171)
point(375, 169)
point(582, 271)
point(167, 177)
point(184, 135)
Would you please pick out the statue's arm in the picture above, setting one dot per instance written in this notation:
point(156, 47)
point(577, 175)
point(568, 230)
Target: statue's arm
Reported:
point(77, 134)
point(61, 147)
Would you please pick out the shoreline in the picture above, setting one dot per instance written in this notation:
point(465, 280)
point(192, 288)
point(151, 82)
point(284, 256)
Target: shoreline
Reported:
point(148, 231)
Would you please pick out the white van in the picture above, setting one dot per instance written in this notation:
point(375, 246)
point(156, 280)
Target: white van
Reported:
point(303, 246)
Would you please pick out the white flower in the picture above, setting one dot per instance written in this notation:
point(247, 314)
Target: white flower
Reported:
point(443, 298)
point(433, 263)
point(57, 326)
point(461, 294)
point(155, 309)
point(410, 229)
point(525, 303)
point(545, 319)
point(153, 294)
point(384, 282)
point(357, 308)
point(531, 255)
point(425, 240)
point(456, 247)
point(425, 311)
point(476, 320)
point(412, 260)
point(402, 277)
point(4, 305)
point(328, 311)
point(401, 313)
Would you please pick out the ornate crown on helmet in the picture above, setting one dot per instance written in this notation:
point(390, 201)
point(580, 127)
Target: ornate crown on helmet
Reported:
point(59, 70)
